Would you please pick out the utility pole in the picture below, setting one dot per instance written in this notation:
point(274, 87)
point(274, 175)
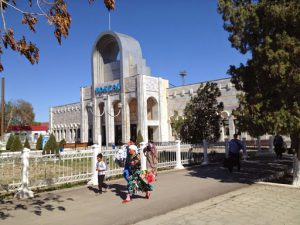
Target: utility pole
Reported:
point(2, 109)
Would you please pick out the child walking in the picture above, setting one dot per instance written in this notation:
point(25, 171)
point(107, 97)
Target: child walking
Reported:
point(101, 167)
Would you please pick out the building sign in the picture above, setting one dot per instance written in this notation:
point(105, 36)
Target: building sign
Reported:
point(107, 88)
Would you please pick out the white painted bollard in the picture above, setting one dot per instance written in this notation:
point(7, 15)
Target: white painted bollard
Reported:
point(143, 157)
point(24, 192)
point(271, 144)
point(296, 172)
point(178, 156)
point(100, 140)
point(94, 180)
point(226, 148)
point(205, 157)
point(258, 144)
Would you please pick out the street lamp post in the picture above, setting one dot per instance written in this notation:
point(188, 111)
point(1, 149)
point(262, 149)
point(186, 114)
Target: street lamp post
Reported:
point(105, 112)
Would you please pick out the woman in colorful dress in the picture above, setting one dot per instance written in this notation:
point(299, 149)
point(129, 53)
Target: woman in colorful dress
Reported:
point(135, 182)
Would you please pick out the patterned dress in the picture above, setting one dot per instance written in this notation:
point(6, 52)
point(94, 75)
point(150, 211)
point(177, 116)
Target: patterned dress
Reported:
point(135, 182)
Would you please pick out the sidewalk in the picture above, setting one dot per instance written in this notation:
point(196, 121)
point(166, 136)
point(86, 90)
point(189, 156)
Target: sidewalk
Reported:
point(254, 205)
point(184, 190)
point(262, 203)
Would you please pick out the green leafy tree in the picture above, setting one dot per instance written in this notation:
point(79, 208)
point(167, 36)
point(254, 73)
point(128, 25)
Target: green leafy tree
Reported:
point(39, 143)
point(51, 145)
point(268, 32)
point(54, 11)
point(202, 115)
point(176, 122)
point(139, 138)
point(26, 144)
point(16, 145)
point(10, 141)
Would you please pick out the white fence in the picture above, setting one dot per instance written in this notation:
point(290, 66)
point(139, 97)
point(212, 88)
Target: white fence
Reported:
point(75, 166)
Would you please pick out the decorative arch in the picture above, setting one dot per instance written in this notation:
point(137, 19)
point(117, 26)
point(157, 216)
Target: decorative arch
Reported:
point(111, 52)
point(152, 109)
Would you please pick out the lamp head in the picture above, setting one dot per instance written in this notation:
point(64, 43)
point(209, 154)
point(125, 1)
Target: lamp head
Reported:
point(89, 105)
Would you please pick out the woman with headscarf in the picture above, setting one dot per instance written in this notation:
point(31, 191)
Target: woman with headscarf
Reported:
point(150, 152)
point(135, 181)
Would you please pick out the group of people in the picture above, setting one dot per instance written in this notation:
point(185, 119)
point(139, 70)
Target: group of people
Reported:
point(235, 146)
point(137, 180)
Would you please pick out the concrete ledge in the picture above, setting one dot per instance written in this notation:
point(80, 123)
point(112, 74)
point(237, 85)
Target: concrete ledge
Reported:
point(278, 185)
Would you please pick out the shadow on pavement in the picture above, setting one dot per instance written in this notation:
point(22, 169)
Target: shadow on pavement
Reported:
point(93, 189)
point(36, 205)
point(254, 169)
point(119, 190)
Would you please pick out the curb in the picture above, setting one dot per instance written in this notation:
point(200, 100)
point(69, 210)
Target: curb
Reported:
point(278, 185)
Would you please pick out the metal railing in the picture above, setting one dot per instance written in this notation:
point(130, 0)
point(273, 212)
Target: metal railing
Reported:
point(75, 166)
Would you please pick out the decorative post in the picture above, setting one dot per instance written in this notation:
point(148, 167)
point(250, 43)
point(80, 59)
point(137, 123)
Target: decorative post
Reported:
point(258, 144)
point(100, 141)
point(271, 144)
point(296, 175)
point(143, 157)
point(205, 158)
point(24, 192)
point(226, 148)
point(178, 156)
point(94, 179)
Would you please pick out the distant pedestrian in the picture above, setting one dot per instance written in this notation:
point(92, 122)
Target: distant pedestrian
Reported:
point(235, 146)
point(278, 146)
point(101, 168)
point(150, 152)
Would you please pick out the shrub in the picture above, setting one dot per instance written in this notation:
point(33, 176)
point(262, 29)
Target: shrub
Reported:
point(39, 143)
point(16, 145)
point(26, 144)
point(139, 138)
point(61, 143)
point(9, 141)
point(51, 146)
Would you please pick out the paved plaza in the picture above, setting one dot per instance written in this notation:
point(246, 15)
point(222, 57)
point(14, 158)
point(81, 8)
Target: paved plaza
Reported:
point(258, 204)
point(195, 195)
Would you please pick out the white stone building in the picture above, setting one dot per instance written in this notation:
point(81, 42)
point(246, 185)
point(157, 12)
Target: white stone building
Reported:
point(124, 98)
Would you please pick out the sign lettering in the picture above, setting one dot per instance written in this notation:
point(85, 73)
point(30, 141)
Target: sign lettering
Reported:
point(108, 88)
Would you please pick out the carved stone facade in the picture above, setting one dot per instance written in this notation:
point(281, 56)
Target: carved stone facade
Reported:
point(124, 98)
point(178, 97)
point(65, 122)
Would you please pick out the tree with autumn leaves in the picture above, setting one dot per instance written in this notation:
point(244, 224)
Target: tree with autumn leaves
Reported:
point(269, 32)
point(56, 13)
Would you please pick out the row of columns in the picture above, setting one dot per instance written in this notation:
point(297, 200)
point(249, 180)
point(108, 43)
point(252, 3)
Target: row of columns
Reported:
point(69, 134)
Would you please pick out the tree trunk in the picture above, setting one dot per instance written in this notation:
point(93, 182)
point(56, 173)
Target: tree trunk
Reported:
point(295, 147)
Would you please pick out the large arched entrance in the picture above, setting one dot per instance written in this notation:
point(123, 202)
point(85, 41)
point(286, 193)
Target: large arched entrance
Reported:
point(117, 122)
point(152, 117)
point(133, 115)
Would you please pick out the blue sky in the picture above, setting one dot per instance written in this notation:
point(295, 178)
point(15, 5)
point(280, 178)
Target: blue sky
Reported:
point(174, 35)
